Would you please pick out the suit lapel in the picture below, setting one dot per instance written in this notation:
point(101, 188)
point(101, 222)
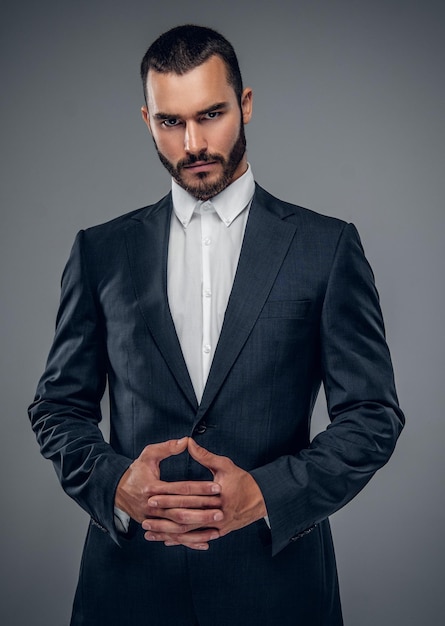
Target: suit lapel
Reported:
point(266, 242)
point(147, 246)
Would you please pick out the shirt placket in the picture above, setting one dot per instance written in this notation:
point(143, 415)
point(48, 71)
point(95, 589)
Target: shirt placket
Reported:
point(207, 247)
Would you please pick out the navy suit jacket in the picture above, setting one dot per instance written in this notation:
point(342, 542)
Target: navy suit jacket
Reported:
point(303, 310)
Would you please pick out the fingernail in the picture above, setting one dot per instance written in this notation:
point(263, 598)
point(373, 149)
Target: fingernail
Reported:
point(146, 526)
point(152, 503)
point(179, 441)
point(150, 537)
point(216, 489)
point(218, 516)
point(214, 536)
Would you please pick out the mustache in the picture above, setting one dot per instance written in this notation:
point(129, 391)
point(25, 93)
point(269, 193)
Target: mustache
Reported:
point(204, 157)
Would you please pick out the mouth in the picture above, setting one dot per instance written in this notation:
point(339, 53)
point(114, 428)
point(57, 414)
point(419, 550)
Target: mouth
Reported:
point(200, 166)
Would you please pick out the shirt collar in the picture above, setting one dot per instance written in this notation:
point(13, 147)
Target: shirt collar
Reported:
point(228, 204)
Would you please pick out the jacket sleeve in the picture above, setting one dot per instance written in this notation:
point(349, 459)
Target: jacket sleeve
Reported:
point(65, 414)
point(302, 490)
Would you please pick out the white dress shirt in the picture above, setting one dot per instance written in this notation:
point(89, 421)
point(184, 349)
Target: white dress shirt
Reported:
point(203, 252)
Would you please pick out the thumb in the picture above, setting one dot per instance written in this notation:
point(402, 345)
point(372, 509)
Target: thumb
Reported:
point(213, 462)
point(156, 452)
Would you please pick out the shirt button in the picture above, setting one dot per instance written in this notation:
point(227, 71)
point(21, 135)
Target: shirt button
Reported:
point(207, 241)
point(207, 348)
point(207, 293)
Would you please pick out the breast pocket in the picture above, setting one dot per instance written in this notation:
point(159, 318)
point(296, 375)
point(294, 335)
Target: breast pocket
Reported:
point(286, 320)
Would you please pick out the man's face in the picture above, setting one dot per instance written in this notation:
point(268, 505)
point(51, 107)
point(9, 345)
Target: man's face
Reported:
point(197, 125)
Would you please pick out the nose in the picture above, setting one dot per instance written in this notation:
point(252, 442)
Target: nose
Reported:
point(194, 140)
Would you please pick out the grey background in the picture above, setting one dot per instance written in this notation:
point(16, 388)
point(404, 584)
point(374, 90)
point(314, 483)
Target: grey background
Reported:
point(348, 120)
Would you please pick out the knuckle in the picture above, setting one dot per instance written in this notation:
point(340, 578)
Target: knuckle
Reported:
point(182, 516)
point(147, 451)
point(188, 489)
point(146, 491)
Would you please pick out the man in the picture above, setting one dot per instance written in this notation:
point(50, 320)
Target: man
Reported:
point(214, 315)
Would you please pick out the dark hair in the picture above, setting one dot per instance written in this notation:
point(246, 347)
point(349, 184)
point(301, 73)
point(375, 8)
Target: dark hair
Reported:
point(183, 48)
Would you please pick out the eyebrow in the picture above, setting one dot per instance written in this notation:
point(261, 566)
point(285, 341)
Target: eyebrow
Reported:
point(214, 107)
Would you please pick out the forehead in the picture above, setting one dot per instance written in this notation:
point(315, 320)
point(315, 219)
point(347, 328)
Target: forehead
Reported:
point(187, 93)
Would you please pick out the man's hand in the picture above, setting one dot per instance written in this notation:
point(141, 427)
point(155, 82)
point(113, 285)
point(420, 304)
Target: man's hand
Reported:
point(241, 502)
point(142, 481)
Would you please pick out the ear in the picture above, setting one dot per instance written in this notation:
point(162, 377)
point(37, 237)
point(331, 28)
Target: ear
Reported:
point(246, 104)
point(146, 117)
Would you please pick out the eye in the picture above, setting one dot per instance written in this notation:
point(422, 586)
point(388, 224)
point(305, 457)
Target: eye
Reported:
point(212, 115)
point(171, 122)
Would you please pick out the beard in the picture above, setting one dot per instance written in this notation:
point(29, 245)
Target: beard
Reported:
point(204, 189)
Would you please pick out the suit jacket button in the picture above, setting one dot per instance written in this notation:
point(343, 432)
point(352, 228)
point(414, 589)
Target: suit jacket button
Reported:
point(200, 428)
